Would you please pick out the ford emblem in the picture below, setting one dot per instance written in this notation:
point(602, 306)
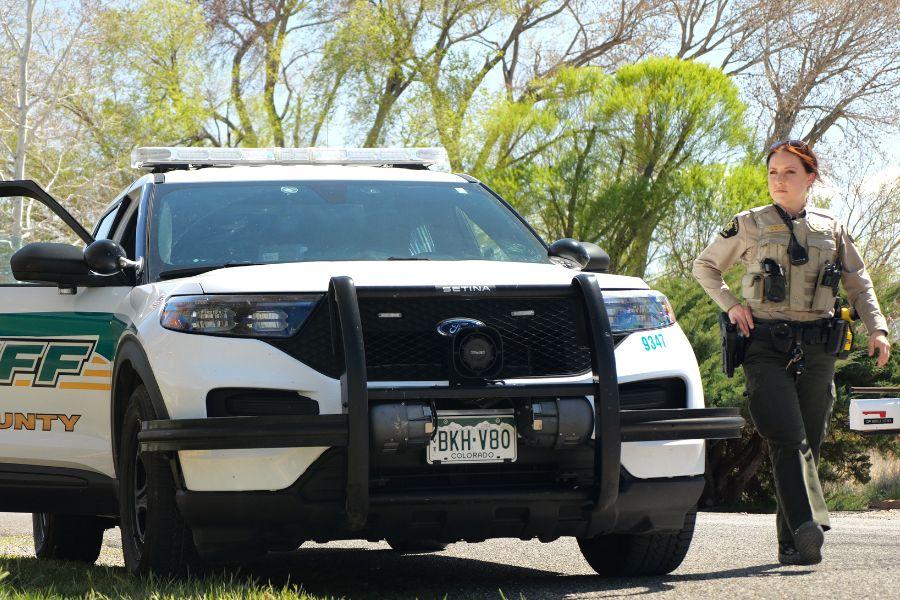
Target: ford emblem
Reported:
point(450, 327)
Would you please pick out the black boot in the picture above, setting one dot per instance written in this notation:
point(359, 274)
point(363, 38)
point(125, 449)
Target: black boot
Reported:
point(788, 555)
point(807, 546)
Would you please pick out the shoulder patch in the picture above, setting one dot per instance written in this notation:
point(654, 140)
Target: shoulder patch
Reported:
point(730, 230)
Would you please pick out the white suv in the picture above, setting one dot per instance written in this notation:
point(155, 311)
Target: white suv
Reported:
point(268, 346)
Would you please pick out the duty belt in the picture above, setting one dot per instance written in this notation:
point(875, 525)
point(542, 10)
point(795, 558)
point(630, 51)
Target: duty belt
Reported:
point(810, 332)
point(789, 337)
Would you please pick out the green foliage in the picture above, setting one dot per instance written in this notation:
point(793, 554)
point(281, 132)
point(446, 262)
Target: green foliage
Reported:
point(709, 196)
point(150, 78)
point(605, 158)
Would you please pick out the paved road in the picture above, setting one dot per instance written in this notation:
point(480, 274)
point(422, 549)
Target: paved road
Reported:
point(732, 556)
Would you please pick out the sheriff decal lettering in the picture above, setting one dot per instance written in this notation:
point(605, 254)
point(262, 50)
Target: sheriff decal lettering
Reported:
point(37, 421)
point(64, 363)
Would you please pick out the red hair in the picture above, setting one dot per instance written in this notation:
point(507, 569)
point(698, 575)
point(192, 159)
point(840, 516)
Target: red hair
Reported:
point(800, 149)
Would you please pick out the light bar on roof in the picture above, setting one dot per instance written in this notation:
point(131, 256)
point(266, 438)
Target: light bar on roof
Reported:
point(181, 156)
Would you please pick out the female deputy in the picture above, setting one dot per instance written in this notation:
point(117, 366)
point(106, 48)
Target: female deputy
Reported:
point(794, 255)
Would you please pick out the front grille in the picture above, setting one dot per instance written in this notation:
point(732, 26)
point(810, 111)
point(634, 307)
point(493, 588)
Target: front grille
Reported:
point(410, 348)
point(550, 342)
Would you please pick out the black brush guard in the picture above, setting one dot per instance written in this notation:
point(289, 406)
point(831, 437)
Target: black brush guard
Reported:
point(612, 426)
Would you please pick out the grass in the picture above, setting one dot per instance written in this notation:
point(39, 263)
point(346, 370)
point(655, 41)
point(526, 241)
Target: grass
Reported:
point(884, 485)
point(26, 578)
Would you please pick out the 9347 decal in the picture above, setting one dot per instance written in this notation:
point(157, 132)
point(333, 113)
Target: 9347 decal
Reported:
point(653, 342)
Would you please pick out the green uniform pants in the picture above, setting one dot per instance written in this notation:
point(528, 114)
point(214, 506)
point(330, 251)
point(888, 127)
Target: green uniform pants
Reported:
point(792, 415)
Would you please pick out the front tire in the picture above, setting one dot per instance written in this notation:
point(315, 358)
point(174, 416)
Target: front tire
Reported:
point(155, 539)
point(629, 555)
point(68, 537)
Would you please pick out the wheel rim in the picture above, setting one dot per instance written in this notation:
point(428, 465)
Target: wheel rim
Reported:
point(139, 511)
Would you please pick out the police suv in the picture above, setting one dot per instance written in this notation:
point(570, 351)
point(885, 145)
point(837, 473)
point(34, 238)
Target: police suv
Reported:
point(258, 347)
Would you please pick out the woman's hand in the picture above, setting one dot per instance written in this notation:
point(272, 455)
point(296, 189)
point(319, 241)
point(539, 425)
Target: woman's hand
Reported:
point(741, 316)
point(879, 342)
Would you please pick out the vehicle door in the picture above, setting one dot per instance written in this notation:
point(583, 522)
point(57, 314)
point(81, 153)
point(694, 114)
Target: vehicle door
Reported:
point(57, 344)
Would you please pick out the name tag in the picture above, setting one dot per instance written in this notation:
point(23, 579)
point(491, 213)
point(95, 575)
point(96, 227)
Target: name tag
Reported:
point(781, 227)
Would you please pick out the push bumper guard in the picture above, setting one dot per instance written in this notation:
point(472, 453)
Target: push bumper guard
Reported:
point(612, 426)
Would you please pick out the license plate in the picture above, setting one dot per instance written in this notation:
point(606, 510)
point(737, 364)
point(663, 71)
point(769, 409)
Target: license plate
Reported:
point(464, 437)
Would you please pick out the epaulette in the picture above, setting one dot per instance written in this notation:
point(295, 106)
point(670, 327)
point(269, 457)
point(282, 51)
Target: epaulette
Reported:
point(759, 209)
point(820, 211)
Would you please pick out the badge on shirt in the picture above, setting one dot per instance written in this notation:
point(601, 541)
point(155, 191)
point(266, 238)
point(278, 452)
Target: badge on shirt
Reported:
point(730, 230)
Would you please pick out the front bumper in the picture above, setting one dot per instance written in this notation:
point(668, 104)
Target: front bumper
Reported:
point(313, 509)
point(227, 433)
point(350, 430)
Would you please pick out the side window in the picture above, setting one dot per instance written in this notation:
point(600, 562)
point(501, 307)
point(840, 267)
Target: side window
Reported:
point(127, 234)
point(105, 226)
point(125, 229)
point(24, 221)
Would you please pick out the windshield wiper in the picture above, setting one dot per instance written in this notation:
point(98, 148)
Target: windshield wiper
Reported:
point(406, 258)
point(189, 271)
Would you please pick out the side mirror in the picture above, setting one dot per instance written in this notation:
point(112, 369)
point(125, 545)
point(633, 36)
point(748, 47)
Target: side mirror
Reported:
point(44, 262)
point(569, 253)
point(579, 255)
point(104, 257)
point(599, 262)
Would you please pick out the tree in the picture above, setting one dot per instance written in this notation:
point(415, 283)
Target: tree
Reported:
point(380, 46)
point(453, 79)
point(726, 30)
point(840, 69)
point(871, 205)
point(607, 158)
point(710, 195)
point(259, 35)
point(149, 73)
point(41, 39)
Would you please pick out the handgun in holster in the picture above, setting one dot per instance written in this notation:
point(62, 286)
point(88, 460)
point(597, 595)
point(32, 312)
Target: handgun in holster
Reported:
point(734, 345)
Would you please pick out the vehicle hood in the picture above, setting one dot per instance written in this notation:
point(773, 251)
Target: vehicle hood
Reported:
point(315, 276)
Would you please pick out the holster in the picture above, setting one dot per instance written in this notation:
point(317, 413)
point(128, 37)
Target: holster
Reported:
point(840, 333)
point(734, 345)
point(836, 334)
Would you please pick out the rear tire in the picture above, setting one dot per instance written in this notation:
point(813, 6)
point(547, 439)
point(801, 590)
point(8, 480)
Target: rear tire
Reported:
point(155, 539)
point(68, 537)
point(415, 546)
point(628, 555)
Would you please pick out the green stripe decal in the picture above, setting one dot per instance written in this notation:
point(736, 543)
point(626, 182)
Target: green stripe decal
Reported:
point(107, 327)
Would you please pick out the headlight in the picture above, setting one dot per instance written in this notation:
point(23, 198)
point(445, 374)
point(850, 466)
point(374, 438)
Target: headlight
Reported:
point(270, 316)
point(637, 310)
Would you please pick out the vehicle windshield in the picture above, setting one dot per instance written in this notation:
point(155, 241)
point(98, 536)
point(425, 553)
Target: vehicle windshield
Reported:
point(201, 226)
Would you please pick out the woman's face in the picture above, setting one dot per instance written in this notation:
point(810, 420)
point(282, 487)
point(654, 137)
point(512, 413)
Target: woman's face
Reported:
point(788, 180)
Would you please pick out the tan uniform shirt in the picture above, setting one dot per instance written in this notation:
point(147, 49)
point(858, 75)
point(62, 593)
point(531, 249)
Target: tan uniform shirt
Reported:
point(761, 233)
